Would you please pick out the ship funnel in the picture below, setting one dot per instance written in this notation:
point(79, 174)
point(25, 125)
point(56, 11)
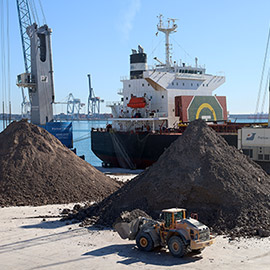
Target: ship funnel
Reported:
point(140, 49)
point(138, 63)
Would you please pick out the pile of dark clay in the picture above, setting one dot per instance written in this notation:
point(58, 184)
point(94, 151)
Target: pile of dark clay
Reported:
point(202, 173)
point(37, 169)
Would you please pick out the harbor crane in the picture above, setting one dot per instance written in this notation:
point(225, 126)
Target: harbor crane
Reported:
point(74, 106)
point(93, 107)
point(38, 75)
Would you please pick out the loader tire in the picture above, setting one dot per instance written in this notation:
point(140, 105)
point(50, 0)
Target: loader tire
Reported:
point(144, 242)
point(177, 246)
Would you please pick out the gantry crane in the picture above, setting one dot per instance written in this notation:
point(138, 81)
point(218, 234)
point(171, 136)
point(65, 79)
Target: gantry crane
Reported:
point(93, 107)
point(74, 106)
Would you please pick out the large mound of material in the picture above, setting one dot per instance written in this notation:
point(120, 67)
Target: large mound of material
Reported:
point(202, 173)
point(36, 169)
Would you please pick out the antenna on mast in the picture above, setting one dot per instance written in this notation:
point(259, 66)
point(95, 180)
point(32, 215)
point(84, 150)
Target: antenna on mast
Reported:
point(171, 28)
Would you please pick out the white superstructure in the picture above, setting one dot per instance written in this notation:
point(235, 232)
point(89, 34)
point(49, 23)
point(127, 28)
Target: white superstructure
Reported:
point(148, 95)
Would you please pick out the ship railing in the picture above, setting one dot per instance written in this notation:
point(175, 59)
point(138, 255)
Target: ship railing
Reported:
point(120, 91)
point(189, 76)
point(114, 103)
point(158, 114)
point(124, 78)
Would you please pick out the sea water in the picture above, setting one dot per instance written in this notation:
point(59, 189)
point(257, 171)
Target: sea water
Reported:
point(82, 136)
point(82, 139)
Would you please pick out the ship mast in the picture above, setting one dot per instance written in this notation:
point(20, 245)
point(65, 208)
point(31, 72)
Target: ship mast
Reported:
point(171, 28)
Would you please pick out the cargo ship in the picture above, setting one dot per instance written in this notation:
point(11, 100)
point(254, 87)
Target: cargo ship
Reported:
point(156, 105)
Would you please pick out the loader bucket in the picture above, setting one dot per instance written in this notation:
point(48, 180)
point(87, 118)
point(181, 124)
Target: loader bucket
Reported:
point(128, 230)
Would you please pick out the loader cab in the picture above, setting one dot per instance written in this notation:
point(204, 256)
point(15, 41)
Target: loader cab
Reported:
point(172, 215)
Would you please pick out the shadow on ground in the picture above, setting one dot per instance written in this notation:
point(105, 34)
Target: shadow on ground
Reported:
point(51, 224)
point(131, 255)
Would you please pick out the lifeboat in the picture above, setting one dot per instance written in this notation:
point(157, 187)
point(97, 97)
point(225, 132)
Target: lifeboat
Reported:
point(137, 102)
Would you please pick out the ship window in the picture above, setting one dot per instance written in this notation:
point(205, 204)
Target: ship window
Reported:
point(197, 84)
point(150, 97)
point(126, 98)
point(177, 83)
point(143, 84)
point(157, 110)
point(192, 84)
point(129, 85)
point(127, 111)
point(260, 156)
point(172, 83)
point(148, 84)
point(162, 96)
point(248, 152)
point(183, 84)
point(122, 99)
point(266, 157)
point(207, 85)
point(203, 85)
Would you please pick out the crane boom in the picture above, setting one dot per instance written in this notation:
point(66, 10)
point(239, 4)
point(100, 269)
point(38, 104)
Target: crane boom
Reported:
point(24, 22)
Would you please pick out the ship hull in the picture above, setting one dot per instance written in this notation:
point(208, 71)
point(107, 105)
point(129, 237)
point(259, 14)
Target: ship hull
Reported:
point(135, 150)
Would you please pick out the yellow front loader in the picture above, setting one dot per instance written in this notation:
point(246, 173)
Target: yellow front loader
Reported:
point(180, 234)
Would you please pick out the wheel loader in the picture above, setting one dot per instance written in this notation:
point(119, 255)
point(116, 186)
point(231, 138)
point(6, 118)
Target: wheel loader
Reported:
point(180, 234)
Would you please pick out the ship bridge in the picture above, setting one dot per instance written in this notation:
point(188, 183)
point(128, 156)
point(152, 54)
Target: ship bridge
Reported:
point(205, 83)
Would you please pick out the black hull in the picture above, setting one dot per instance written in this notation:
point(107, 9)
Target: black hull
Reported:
point(135, 151)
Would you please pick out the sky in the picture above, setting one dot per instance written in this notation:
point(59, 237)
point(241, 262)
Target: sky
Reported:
point(96, 37)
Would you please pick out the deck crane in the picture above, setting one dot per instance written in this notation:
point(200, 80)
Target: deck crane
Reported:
point(93, 102)
point(38, 76)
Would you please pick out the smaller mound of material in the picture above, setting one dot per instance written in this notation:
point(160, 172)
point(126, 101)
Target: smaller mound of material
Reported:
point(203, 174)
point(36, 169)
